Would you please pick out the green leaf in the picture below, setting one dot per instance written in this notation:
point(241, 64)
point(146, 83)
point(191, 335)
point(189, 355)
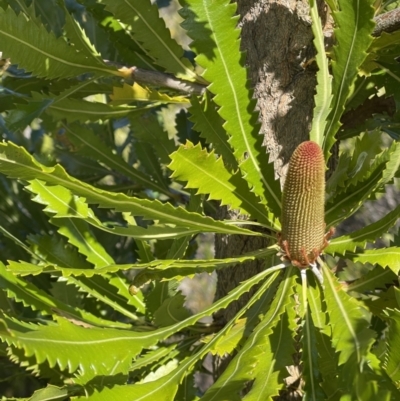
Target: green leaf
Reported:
point(327, 356)
point(349, 320)
point(166, 387)
point(213, 28)
point(16, 162)
point(311, 371)
point(81, 110)
point(389, 257)
point(156, 269)
point(30, 45)
point(354, 25)
point(209, 124)
point(147, 129)
point(323, 96)
point(63, 206)
point(383, 170)
point(171, 311)
point(258, 350)
point(91, 145)
point(279, 355)
point(24, 114)
point(79, 234)
point(205, 172)
point(378, 277)
point(50, 393)
point(361, 237)
point(392, 356)
point(31, 296)
point(148, 28)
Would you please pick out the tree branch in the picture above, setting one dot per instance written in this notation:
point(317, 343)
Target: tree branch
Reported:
point(161, 79)
point(157, 78)
point(388, 22)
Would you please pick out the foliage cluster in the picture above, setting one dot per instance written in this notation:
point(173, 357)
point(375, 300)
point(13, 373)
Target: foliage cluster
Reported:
point(106, 183)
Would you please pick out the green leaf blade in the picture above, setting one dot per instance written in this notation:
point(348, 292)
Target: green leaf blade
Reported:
point(38, 51)
point(213, 28)
point(202, 170)
point(354, 25)
point(148, 28)
point(349, 320)
point(323, 96)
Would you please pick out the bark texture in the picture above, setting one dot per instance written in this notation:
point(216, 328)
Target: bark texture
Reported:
point(277, 39)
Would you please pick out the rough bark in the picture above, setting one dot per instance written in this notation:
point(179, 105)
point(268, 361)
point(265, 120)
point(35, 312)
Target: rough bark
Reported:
point(277, 38)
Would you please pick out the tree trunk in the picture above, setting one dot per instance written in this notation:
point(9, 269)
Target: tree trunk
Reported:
point(277, 39)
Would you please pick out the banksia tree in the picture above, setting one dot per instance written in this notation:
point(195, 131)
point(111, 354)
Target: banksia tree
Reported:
point(303, 224)
point(100, 175)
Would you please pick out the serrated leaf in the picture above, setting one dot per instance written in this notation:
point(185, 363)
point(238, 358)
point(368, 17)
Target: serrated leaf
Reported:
point(389, 257)
point(156, 269)
point(31, 296)
point(166, 387)
point(81, 110)
point(392, 355)
point(135, 92)
point(24, 114)
point(209, 124)
point(327, 356)
point(213, 28)
point(323, 96)
point(346, 203)
point(205, 172)
point(16, 162)
point(361, 237)
point(378, 277)
point(279, 355)
point(351, 336)
point(354, 25)
point(63, 205)
point(36, 50)
point(79, 39)
point(90, 145)
point(80, 235)
point(311, 371)
point(72, 347)
point(147, 129)
point(257, 350)
point(148, 28)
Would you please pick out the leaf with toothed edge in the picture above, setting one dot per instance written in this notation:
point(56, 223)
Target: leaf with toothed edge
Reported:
point(350, 321)
point(156, 269)
point(16, 162)
point(165, 388)
point(257, 349)
point(209, 124)
point(75, 347)
point(360, 238)
point(385, 257)
point(143, 21)
point(207, 173)
point(323, 96)
point(31, 296)
point(40, 52)
point(354, 25)
point(213, 28)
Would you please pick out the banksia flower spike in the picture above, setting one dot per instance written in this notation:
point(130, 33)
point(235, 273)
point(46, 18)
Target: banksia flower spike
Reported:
point(303, 225)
